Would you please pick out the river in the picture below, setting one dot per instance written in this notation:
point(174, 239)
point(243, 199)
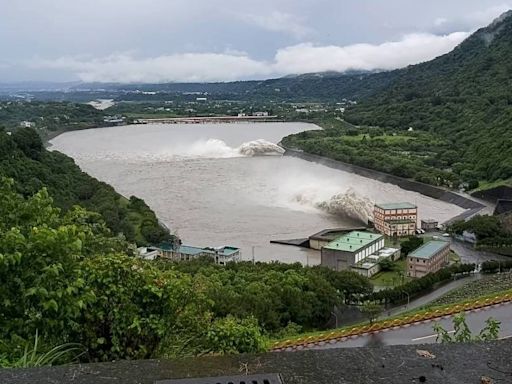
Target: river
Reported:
point(228, 184)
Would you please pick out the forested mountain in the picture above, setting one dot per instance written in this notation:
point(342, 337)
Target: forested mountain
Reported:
point(444, 121)
point(24, 159)
point(329, 86)
point(464, 96)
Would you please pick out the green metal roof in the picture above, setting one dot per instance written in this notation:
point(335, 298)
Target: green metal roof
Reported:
point(353, 241)
point(188, 250)
point(396, 206)
point(427, 250)
point(193, 251)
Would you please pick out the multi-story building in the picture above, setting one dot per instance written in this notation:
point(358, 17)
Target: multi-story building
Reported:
point(430, 257)
point(395, 219)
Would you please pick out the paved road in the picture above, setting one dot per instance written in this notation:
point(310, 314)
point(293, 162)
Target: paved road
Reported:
point(470, 255)
point(422, 333)
point(431, 296)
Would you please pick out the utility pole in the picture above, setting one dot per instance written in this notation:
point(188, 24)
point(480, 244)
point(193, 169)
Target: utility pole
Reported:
point(253, 259)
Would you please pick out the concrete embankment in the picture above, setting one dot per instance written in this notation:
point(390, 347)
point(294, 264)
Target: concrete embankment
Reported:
point(410, 185)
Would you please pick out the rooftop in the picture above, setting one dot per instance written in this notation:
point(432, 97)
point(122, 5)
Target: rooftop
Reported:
point(430, 221)
point(223, 251)
point(188, 250)
point(353, 241)
point(427, 250)
point(403, 205)
point(194, 251)
point(333, 233)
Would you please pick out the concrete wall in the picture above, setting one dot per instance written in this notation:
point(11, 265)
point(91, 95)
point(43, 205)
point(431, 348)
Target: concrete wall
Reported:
point(410, 185)
point(337, 260)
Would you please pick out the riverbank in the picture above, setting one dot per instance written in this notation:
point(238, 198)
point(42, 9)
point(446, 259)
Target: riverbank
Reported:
point(472, 206)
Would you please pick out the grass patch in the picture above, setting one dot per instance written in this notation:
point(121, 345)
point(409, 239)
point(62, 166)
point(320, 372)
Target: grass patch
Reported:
point(392, 278)
point(488, 285)
point(484, 185)
point(453, 258)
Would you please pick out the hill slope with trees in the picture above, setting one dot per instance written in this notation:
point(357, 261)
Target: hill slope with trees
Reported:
point(453, 114)
point(24, 159)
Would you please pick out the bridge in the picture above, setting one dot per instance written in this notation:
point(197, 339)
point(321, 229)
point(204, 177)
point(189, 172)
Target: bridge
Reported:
point(208, 119)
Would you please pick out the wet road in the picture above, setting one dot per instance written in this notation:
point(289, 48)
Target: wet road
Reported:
point(470, 255)
point(422, 333)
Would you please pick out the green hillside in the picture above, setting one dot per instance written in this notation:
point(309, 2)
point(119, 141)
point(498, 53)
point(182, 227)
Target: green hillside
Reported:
point(23, 158)
point(458, 106)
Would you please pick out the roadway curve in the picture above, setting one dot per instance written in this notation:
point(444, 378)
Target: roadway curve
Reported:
point(422, 333)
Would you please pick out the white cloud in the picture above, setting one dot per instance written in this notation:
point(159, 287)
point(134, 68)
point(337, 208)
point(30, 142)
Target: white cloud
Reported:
point(484, 17)
point(411, 49)
point(301, 58)
point(470, 21)
point(277, 21)
point(188, 67)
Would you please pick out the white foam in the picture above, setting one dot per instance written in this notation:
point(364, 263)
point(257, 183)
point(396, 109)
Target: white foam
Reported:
point(201, 149)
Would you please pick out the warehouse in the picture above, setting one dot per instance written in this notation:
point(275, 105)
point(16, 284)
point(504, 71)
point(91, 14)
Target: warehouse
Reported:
point(349, 249)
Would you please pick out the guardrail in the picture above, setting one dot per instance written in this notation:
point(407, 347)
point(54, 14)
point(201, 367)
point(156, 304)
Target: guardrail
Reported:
point(340, 335)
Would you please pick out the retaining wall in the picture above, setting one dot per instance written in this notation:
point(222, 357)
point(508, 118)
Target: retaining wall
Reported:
point(410, 185)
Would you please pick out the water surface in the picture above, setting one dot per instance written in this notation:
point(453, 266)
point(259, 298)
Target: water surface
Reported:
point(209, 183)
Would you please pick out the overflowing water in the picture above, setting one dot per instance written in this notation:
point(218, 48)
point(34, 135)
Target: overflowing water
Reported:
point(227, 184)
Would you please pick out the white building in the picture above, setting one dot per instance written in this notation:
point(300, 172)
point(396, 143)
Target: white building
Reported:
point(148, 253)
point(27, 124)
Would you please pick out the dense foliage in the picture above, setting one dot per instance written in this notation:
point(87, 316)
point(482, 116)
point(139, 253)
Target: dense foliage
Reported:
point(497, 266)
point(23, 158)
point(67, 278)
point(410, 245)
point(47, 117)
point(276, 294)
point(410, 154)
point(489, 231)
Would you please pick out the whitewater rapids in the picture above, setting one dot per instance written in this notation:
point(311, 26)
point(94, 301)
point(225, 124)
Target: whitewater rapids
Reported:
point(199, 149)
point(347, 204)
point(223, 193)
point(216, 148)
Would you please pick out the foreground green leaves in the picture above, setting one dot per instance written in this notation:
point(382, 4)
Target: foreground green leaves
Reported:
point(68, 280)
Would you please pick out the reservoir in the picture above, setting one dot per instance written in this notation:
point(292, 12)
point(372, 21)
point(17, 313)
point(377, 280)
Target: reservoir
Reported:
point(228, 184)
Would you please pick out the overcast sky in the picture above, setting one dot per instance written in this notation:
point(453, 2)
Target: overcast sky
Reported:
point(220, 40)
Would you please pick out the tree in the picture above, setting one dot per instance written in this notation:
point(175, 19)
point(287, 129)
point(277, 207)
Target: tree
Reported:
point(371, 311)
point(29, 142)
point(231, 335)
point(387, 265)
point(410, 245)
